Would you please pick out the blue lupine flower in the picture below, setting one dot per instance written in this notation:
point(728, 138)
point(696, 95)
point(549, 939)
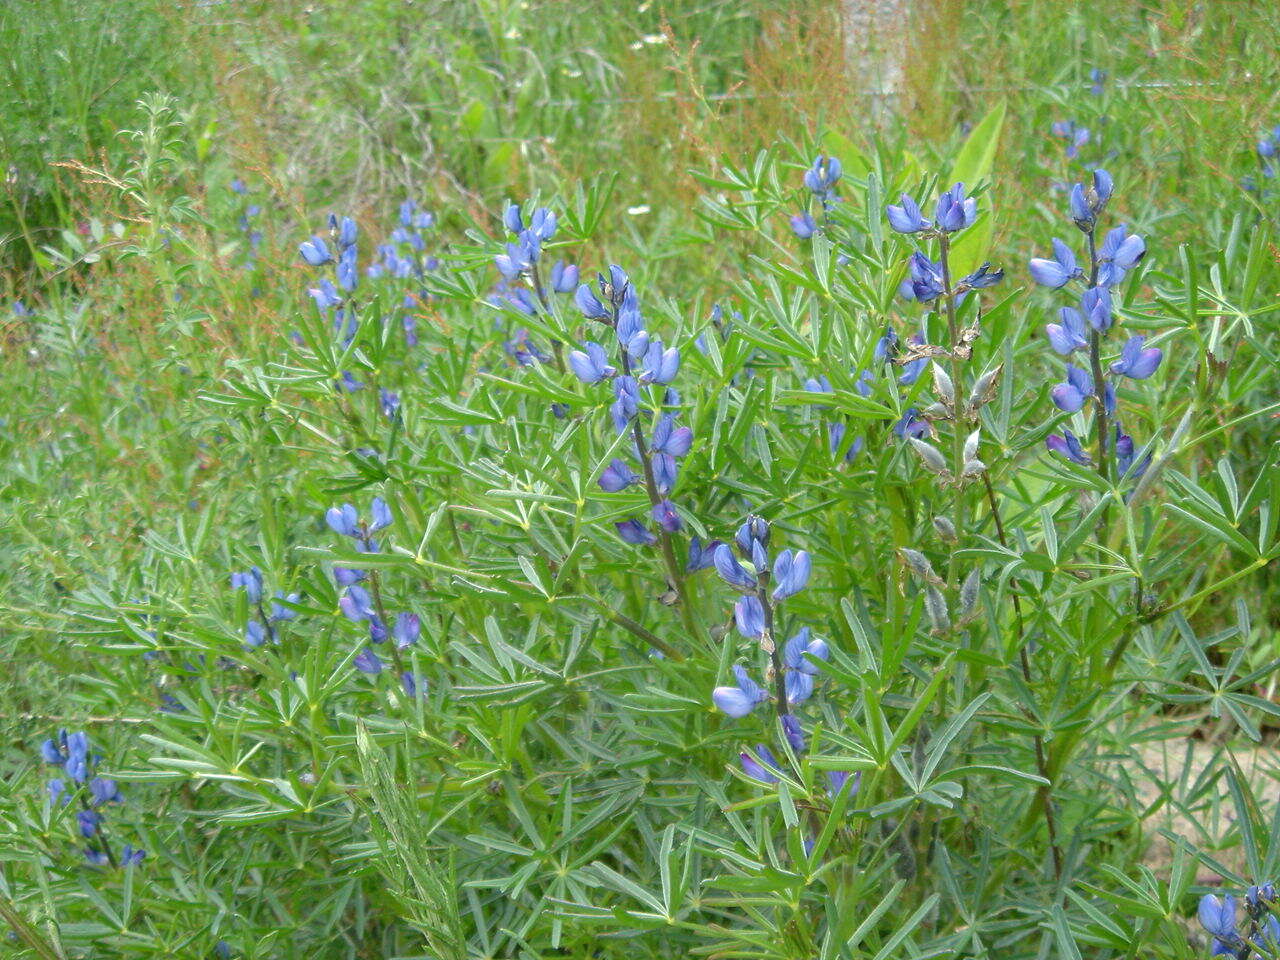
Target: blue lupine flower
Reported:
point(1097, 78)
point(803, 225)
point(1121, 251)
point(617, 476)
point(763, 766)
point(740, 700)
point(627, 402)
point(96, 858)
point(349, 383)
point(838, 780)
point(912, 425)
point(366, 661)
point(279, 611)
point(793, 653)
point(407, 629)
point(255, 635)
point(238, 186)
point(926, 277)
point(659, 366)
point(315, 252)
point(794, 733)
point(411, 684)
point(512, 219)
point(955, 211)
point(131, 856)
point(1081, 210)
point(982, 278)
point(1135, 362)
point(634, 532)
point(104, 790)
point(345, 576)
point(590, 365)
point(389, 403)
point(1071, 395)
point(702, 557)
point(1068, 336)
point(748, 612)
point(1056, 272)
point(668, 438)
point(823, 175)
point(250, 581)
point(1218, 917)
point(590, 304)
point(347, 273)
point(1262, 895)
point(564, 277)
point(1095, 303)
point(1103, 187)
point(1124, 452)
point(381, 514)
point(542, 224)
point(57, 789)
point(1068, 445)
point(356, 604)
point(753, 530)
point(665, 472)
point(343, 520)
point(325, 295)
point(518, 259)
point(665, 516)
point(730, 569)
point(88, 821)
point(347, 233)
point(905, 217)
point(791, 572)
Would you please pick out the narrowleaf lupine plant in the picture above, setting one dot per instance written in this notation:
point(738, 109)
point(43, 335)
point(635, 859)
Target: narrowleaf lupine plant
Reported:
point(1083, 330)
point(70, 752)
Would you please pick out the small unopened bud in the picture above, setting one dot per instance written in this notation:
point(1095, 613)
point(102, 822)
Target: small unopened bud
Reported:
point(969, 593)
point(929, 455)
point(919, 565)
point(936, 605)
point(946, 529)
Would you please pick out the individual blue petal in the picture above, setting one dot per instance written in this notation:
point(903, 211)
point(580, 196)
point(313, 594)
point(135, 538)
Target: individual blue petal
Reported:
point(1068, 336)
point(803, 225)
point(315, 251)
point(732, 701)
point(634, 532)
point(366, 661)
point(343, 520)
point(748, 612)
point(763, 766)
point(794, 733)
point(1068, 445)
point(905, 217)
point(795, 577)
point(799, 687)
point(407, 630)
point(617, 476)
point(730, 569)
point(381, 514)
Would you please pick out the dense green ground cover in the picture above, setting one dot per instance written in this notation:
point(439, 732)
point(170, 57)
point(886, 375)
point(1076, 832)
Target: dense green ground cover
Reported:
point(555, 780)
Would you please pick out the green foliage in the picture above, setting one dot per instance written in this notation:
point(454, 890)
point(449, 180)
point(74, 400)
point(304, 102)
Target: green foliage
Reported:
point(1060, 718)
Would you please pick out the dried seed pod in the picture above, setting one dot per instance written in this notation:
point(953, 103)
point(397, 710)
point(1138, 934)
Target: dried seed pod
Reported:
point(919, 565)
point(929, 455)
point(936, 605)
point(971, 445)
point(946, 530)
point(943, 386)
point(984, 388)
point(969, 593)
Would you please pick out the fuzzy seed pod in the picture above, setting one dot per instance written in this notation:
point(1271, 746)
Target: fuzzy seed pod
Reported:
point(929, 455)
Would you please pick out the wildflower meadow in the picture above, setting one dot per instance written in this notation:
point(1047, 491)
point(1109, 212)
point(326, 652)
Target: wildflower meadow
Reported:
point(680, 478)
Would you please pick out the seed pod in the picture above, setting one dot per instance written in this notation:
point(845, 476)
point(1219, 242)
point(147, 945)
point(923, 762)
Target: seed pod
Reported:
point(919, 565)
point(936, 605)
point(969, 593)
point(943, 386)
point(974, 468)
point(946, 530)
point(971, 445)
point(984, 388)
point(937, 411)
point(930, 455)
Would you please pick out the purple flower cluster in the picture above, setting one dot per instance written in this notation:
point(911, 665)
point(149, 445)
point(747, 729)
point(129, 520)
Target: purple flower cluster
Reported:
point(642, 361)
point(1083, 329)
point(1261, 931)
point(821, 179)
point(261, 629)
point(70, 753)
